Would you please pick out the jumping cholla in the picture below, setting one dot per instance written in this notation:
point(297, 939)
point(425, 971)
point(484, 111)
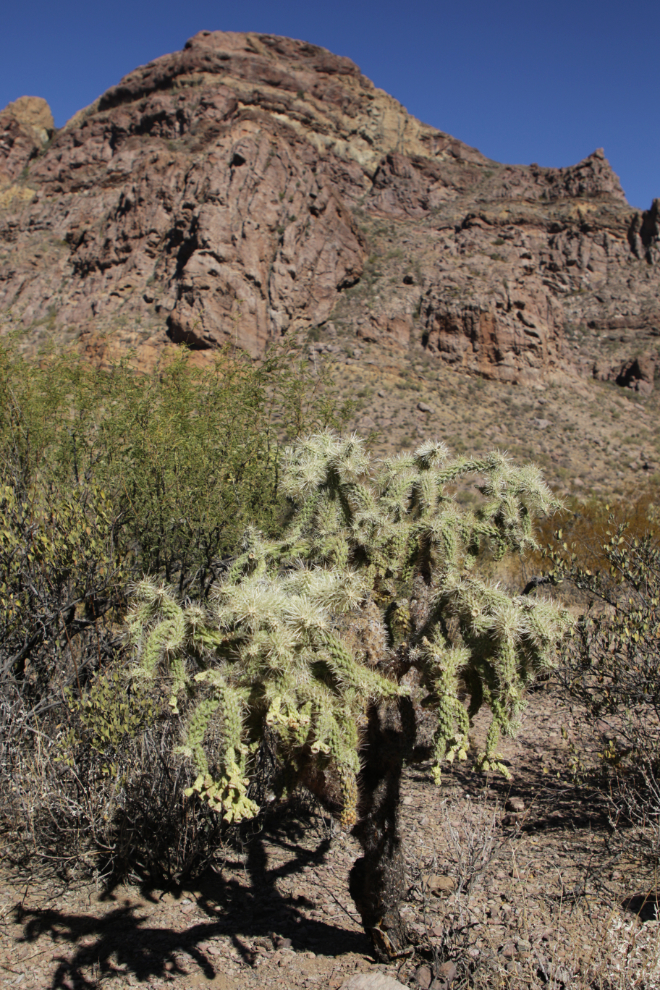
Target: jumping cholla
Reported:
point(373, 579)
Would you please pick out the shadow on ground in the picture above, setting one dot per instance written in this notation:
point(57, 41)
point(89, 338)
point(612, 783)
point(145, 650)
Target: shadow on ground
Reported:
point(121, 941)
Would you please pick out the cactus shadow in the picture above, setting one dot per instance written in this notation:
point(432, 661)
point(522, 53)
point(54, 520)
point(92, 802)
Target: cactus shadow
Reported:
point(242, 903)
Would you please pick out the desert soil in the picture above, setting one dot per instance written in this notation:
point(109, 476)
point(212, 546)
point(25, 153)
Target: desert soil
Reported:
point(590, 438)
point(547, 900)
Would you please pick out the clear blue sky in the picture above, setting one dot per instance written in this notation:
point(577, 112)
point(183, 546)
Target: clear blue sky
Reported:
point(521, 80)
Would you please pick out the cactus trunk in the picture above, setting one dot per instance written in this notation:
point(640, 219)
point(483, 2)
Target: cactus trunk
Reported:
point(378, 881)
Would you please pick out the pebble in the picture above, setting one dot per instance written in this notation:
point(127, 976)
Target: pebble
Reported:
point(447, 972)
point(372, 981)
point(441, 885)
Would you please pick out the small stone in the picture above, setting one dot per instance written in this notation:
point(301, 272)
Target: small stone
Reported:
point(372, 981)
point(424, 976)
point(512, 820)
point(441, 885)
point(515, 804)
point(382, 394)
point(447, 972)
point(423, 407)
point(407, 801)
point(509, 951)
point(438, 931)
point(541, 424)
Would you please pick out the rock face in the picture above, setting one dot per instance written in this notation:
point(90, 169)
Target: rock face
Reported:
point(26, 126)
point(252, 186)
point(637, 373)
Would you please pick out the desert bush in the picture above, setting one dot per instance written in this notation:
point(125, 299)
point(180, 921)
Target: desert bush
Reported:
point(105, 477)
point(611, 671)
point(585, 526)
point(187, 456)
point(327, 645)
point(589, 945)
point(100, 793)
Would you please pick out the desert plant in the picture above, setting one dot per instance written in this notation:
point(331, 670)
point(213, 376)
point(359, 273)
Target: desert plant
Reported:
point(328, 644)
point(105, 476)
point(611, 668)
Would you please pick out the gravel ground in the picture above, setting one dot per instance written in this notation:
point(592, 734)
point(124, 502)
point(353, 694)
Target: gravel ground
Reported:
point(510, 884)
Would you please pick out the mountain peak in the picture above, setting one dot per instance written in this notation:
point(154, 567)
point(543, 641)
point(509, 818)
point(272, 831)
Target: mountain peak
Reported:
point(251, 186)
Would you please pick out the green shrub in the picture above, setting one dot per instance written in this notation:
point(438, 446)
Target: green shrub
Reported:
point(106, 477)
point(612, 661)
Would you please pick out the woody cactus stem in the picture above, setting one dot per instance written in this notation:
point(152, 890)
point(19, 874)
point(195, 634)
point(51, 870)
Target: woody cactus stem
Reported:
point(378, 880)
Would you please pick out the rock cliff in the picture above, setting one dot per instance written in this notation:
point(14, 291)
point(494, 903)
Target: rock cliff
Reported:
point(250, 186)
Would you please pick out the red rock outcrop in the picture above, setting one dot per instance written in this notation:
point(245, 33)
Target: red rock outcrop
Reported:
point(26, 126)
point(251, 186)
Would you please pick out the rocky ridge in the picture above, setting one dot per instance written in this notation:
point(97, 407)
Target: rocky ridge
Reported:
point(252, 186)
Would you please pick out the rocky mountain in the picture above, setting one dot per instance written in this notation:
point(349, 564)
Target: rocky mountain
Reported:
point(251, 185)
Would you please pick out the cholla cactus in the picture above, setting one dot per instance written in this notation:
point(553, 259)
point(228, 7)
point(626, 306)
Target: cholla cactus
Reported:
point(265, 654)
point(275, 648)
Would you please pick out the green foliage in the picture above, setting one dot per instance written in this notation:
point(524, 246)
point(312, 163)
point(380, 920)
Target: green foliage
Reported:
point(109, 714)
point(384, 549)
point(106, 476)
point(58, 566)
point(186, 456)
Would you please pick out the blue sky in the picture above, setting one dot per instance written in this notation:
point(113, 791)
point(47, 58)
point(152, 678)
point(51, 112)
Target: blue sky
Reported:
point(522, 81)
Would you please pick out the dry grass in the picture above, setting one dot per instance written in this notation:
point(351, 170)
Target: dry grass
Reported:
point(568, 937)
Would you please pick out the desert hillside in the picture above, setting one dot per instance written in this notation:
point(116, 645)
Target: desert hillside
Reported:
point(276, 711)
point(251, 187)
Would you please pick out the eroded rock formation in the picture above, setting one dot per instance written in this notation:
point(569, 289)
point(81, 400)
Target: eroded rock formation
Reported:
point(250, 186)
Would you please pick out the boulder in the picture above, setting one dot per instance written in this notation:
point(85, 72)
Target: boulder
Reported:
point(638, 374)
point(26, 126)
point(441, 885)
